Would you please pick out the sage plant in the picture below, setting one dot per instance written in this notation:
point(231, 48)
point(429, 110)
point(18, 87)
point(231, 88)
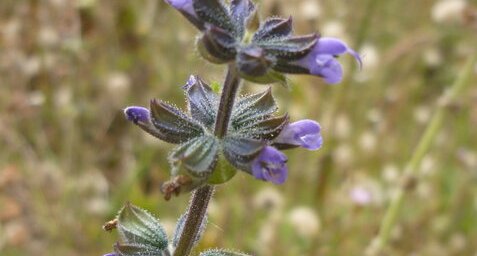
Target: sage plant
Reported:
point(220, 134)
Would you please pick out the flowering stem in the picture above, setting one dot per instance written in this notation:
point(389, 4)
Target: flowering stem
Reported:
point(425, 143)
point(201, 197)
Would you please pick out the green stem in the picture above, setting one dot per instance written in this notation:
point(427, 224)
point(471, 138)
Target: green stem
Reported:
point(426, 141)
point(200, 199)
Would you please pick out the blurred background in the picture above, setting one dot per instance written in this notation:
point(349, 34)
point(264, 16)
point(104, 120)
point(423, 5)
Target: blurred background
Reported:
point(69, 160)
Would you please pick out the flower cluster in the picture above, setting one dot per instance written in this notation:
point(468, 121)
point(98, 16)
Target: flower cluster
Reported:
point(252, 141)
point(264, 54)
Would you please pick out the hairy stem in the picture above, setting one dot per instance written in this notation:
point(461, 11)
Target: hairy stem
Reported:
point(227, 98)
point(201, 197)
point(410, 171)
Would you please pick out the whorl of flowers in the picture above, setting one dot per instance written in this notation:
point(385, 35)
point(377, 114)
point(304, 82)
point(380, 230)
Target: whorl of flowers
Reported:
point(261, 55)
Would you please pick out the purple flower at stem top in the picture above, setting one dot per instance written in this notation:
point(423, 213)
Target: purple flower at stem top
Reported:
point(270, 165)
point(303, 133)
point(321, 60)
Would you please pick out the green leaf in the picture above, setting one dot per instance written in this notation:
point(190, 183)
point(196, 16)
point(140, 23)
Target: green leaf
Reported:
point(136, 226)
point(138, 250)
point(202, 101)
point(214, 12)
point(223, 171)
point(198, 156)
point(253, 107)
point(173, 124)
point(222, 252)
point(265, 129)
point(240, 151)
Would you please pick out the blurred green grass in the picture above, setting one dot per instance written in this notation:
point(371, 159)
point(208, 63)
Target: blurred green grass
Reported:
point(68, 160)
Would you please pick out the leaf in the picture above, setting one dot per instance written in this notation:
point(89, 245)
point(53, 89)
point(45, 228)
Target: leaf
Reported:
point(175, 126)
point(198, 156)
point(215, 13)
point(253, 107)
point(292, 48)
point(203, 102)
point(222, 252)
point(240, 151)
point(180, 227)
point(136, 226)
point(216, 45)
point(265, 129)
point(138, 250)
point(241, 11)
point(273, 29)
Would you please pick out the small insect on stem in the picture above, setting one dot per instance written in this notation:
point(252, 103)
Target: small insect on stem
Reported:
point(110, 225)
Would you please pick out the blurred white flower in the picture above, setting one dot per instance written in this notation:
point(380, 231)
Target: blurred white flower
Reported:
point(31, 66)
point(266, 236)
point(374, 115)
point(11, 31)
point(310, 9)
point(118, 85)
point(118, 81)
point(334, 28)
point(342, 126)
point(424, 190)
point(445, 11)
point(63, 97)
point(432, 57)
point(97, 205)
point(368, 141)
point(390, 173)
point(268, 198)
point(305, 220)
point(422, 114)
point(47, 36)
point(36, 98)
point(428, 166)
point(343, 155)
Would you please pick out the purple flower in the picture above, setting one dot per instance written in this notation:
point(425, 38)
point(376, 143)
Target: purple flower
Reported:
point(270, 165)
point(321, 60)
point(303, 133)
point(111, 254)
point(137, 114)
